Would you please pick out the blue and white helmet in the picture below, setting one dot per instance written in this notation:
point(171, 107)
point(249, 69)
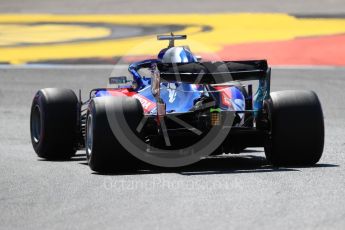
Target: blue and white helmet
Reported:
point(177, 54)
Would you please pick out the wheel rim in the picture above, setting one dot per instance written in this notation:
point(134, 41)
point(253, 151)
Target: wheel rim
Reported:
point(89, 136)
point(36, 124)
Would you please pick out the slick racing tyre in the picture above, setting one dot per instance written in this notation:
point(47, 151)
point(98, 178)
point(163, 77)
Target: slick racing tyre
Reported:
point(104, 152)
point(53, 123)
point(296, 128)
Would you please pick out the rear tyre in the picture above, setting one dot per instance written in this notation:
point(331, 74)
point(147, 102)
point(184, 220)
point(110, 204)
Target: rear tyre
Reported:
point(53, 123)
point(296, 128)
point(104, 152)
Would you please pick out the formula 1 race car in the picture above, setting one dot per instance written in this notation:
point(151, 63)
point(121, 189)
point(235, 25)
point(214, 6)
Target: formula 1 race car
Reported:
point(186, 110)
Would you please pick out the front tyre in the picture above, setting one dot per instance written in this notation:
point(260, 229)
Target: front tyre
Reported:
point(53, 123)
point(296, 128)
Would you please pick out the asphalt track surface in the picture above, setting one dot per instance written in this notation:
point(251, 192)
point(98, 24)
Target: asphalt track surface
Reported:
point(232, 192)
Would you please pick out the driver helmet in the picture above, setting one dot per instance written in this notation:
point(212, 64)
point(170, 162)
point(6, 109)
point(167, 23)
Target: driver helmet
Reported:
point(177, 54)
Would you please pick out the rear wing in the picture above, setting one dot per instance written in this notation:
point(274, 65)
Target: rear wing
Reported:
point(213, 72)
